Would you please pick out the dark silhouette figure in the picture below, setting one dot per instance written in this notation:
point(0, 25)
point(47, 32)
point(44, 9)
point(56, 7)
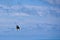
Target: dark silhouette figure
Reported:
point(17, 27)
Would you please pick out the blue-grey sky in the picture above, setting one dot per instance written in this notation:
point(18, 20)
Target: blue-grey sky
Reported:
point(34, 16)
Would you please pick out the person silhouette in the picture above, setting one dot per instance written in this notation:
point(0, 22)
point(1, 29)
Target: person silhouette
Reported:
point(17, 27)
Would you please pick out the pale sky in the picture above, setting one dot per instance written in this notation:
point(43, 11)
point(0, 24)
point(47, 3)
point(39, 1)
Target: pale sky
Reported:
point(28, 13)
